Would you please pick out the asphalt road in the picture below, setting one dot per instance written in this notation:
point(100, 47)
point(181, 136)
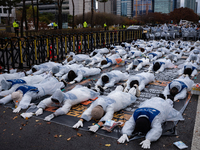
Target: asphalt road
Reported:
point(20, 134)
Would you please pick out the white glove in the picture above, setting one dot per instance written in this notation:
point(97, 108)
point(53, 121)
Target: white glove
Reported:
point(105, 87)
point(123, 138)
point(149, 71)
point(136, 70)
point(175, 98)
point(145, 144)
point(78, 124)
point(157, 71)
point(93, 128)
point(49, 117)
point(39, 112)
point(17, 109)
point(72, 82)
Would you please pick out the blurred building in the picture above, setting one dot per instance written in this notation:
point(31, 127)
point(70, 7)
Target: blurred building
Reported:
point(165, 6)
point(78, 4)
point(192, 4)
point(4, 14)
point(109, 7)
point(125, 8)
point(141, 7)
point(50, 8)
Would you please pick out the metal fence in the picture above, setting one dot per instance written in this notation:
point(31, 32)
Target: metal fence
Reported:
point(24, 52)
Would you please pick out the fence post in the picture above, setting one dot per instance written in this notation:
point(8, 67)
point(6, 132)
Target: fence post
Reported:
point(20, 55)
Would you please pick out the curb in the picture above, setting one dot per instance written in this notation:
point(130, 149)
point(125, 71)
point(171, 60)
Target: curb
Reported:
point(196, 132)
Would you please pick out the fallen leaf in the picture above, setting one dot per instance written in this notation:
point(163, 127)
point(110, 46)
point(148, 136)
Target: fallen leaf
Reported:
point(68, 139)
point(20, 128)
point(60, 135)
point(37, 120)
point(26, 118)
point(189, 118)
point(56, 136)
point(163, 145)
point(48, 122)
point(177, 136)
point(14, 117)
point(95, 135)
point(12, 134)
point(196, 131)
point(4, 130)
point(79, 134)
point(107, 144)
point(3, 111)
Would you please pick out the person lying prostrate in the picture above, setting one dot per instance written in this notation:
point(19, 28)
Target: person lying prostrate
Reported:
point(9, 86)
point(160, 65)
point(178, 88)
point(139, 80)
point(148, 119)
point(45, 67)
point(188, 68)
point(104, 107)
point(77, 58)
point(65, 69)
point(109, 61)
point(66, 100)
point(9, 76)
point(94, 59)
point(137, 64)
point(24, 94)
point(195, 58)
point(154, 55)
point(74, 76)
point(109, 79)
point(101, 51)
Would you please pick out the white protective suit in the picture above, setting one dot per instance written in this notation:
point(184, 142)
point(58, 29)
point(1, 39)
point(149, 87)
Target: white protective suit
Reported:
point(143, 78)
point(114, 76)
point(45, 67)
point(94, 59)
point(30, 80)
point(193, 66)
point(121, 51)
point(164, 63)
point(8, 76)
point(46, 87)
point(66, 68)
point(139, 63)
point(134, 53)
point(113, 102)
point(110, 61)
point(77, 58)
point(195, 57)
point(158, 111)
point(183, 84)
point(68, 99)
point(83, 72)
point(154, 55)
point(163, 50)
point(100, 51)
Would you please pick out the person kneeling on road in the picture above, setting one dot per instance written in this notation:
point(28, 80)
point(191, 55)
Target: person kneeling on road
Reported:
point(148, 119)
point(104, 107)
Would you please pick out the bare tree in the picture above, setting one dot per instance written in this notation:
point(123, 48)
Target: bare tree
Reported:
point(73, 14)
point(33, 12)
point(92, 10)
point(83, 10)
